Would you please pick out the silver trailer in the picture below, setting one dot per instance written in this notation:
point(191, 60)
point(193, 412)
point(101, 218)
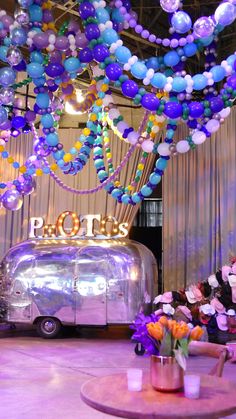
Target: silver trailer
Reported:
point(56, 282)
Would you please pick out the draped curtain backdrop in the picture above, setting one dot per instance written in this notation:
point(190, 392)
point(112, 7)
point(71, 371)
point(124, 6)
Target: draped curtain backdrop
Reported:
point(49, 200)
point(199, 207)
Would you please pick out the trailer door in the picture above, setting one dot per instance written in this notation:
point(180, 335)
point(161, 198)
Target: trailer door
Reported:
point(90, 286)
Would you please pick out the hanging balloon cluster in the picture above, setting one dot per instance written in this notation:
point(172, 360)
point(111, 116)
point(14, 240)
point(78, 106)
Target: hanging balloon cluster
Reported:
point(163, 89)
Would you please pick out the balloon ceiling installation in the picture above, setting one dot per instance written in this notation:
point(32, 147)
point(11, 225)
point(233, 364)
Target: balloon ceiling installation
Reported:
point(159, 84)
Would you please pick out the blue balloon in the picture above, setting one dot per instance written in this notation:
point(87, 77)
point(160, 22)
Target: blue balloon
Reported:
point(116, 193)
point(52, 140)
point(102, 15)
point(136, 198)
point(171, 59)
point(109, 36)
point(139, 70)
point(218, 73)
point(146, 191)
point(36, 56)
point(199, 82)
point(7, 76)
point(125, 199)
point(159, 80)
point(42, 100)
point(18, 36)
point(72, 64)
point(35, 70)
point(161, 164)
point(117, 16)
point(153, 63)
point(3, 115)
point(190, 50)
point(3, 53)
point(179, 84)
point(47, 120)
point(35, 12)
point(154, 179)
point(181, 22)
point(123, 54)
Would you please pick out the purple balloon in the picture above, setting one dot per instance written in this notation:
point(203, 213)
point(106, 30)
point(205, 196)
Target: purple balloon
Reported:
point(232, 81)
point(113, 71)
point(86, 55)
point(196, 109)
point(73, 27)
point(6, 21)
point(92, 31)
point(26, 188)
point(216, 104)
point(129, 88)
point(100, 52)
point(40, 40)
point(86, 10)
point(68, 90)
point(12, 200)
point(54, 69)
point(81, 40)
point(173, 110)
point(62, 43)
point(47, 16)
point(150, 102)
point(55, 57)
point(30, 116)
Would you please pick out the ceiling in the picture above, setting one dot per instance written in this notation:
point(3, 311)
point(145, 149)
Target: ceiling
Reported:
point(153, 18)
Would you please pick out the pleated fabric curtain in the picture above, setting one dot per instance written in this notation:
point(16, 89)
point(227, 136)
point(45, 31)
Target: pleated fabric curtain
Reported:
point(199, 208)
point(49, 200)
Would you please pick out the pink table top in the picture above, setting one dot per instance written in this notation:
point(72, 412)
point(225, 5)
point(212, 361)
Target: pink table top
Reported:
point(109, 394)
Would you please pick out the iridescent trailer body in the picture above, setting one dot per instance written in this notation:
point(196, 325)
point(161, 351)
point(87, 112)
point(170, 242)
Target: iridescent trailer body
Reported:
point(54, 282)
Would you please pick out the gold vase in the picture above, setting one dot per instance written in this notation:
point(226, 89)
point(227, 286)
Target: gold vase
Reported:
point(166, 374)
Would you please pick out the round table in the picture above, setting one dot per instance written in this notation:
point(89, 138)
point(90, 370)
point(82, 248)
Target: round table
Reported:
point(109, 394)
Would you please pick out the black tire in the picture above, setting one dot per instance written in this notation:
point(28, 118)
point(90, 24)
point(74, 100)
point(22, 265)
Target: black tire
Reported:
point(139, 349)
point(48, 327)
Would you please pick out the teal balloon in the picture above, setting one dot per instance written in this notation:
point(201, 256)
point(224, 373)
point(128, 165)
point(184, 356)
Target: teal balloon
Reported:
point(35, 12)
point(43, 100)
point(98, 163)
point(206, 41)
point(35, 70)
point(117, 16)
point(59, 155)
point(52, 140)
point(102, 174)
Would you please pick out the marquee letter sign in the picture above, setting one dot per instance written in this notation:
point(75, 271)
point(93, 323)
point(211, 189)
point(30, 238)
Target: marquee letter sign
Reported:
point(108, 226)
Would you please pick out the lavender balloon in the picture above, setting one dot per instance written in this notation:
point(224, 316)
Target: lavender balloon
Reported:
point(21, 16)
point(203, 27)
point(7, 76)
point(14, 56)
point(225, 14)
point(12, 200)
point(7, 95)
point(170, 6)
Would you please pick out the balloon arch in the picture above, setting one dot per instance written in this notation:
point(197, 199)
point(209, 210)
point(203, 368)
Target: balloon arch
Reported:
point(160, 85)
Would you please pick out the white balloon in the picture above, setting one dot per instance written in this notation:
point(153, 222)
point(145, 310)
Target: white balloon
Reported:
point(182, 146)
point(213, 125)
point(199, 137)
point(225, 112)
point(147, 146)
point(164, 149)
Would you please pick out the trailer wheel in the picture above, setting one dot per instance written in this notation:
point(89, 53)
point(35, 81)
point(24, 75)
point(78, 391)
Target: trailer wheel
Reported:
point(48, 327)
point(139, 349)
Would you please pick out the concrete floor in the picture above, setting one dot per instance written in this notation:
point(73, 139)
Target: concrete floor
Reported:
point(41, 379)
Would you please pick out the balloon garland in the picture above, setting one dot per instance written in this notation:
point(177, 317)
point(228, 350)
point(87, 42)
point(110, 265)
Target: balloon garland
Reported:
point(163, 89)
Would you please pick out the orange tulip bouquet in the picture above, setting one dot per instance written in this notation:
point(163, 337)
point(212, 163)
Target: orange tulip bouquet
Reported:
point(165, 337)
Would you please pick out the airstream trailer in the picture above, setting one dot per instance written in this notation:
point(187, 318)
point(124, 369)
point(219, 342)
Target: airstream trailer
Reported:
point(55, 282)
